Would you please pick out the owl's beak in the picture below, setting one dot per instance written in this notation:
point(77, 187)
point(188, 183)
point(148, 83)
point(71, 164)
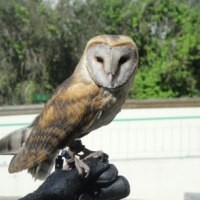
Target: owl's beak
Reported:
point(110, 76)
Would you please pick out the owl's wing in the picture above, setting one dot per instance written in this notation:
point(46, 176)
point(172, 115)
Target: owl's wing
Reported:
point(66, 115)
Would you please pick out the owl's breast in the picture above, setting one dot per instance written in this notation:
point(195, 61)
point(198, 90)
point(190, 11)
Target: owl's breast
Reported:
point(109, 110)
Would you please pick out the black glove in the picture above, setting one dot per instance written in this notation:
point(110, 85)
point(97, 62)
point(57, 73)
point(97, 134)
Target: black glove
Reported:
point(103, 183)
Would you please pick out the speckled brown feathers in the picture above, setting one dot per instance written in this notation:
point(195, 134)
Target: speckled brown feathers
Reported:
point(89, 99)
point(66, 115)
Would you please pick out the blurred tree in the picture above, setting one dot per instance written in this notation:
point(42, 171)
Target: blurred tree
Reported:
point(40, 44)
point(21, 58)
point(168, 32)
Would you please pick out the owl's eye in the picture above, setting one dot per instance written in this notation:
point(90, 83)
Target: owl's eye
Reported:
point(99, 59)
point(123, 59)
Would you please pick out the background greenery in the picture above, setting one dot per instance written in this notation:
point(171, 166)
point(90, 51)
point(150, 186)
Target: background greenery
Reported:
point(41, 43)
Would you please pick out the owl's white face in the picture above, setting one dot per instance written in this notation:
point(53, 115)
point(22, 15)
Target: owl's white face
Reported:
point(111, 67)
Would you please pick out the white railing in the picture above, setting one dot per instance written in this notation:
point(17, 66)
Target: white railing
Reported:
point(152, 137)
point(138, 133)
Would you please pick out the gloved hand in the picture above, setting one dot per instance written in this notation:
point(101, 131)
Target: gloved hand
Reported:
point(103, 183)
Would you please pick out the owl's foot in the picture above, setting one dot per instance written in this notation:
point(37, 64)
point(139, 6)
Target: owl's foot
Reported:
point(82, 167)
point(77, 153)
point(73, 161)
point(79, 149)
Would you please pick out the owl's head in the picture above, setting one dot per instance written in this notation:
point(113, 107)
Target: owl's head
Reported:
point(111, 60)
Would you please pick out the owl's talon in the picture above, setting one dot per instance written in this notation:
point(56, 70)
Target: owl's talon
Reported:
point(83, 168)
point(97, 154)
point(78, 154)
point(80, 165)
point(73, 161)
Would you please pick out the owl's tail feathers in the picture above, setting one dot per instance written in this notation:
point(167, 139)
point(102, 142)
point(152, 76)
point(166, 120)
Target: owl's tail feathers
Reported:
point(42, 170)
point(38, 163)
point(12, 143)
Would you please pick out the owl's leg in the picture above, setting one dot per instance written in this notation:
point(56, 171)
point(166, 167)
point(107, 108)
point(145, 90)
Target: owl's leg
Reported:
point(69, 158)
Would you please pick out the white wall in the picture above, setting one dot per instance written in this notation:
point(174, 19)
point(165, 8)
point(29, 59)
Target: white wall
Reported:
point(161, 179)
point(158, 150)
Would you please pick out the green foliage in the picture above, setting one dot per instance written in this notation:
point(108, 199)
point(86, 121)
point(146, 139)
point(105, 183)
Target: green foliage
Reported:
point(170, 53)
point(32, 56)
point(40, 44)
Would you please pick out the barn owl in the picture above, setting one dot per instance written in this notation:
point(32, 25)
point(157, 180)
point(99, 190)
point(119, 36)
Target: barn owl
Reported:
point(89, 99)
